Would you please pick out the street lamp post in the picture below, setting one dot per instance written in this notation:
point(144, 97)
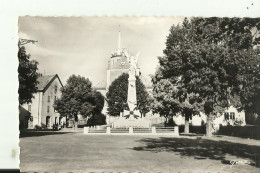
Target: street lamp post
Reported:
point(22, 42)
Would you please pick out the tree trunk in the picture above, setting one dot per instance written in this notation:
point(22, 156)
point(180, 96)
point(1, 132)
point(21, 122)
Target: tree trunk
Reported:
point(66, 121)
point(209, 126)
point(187, 126)
point(76, 122)
point(76, 125)
point(165, 122)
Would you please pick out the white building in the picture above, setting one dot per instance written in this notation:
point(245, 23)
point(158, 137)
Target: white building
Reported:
point(41, 110)
point(231, 116)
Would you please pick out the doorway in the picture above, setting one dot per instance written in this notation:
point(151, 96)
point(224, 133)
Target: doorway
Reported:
point(60, 118)
point(48, 121)
point(55, 120)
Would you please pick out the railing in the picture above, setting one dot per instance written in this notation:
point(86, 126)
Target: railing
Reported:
point(130, 130)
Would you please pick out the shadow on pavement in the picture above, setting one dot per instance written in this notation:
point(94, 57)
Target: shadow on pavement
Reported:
point(32, 133)
point(203, 149)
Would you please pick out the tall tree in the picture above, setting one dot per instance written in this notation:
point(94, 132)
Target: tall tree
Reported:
point(164, 102)
point(143, 97)
point(170, 100)
point(99, 102)
point(207, 58)
point(97, 117)
point(117, 96)
point(78, 98)
point(27, 75)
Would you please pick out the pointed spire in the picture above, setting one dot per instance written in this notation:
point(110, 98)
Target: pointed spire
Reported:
point(119, 49)
point(119, 39)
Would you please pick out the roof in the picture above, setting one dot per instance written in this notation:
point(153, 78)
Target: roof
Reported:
point(100, 86)
point(45, 81)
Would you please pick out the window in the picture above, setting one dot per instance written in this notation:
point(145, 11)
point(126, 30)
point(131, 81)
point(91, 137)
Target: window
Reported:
point(48, 108)
point(29, 108)
point(55, 110)
point(55, 98)
point(55, 88)
point(49, 98)
point(31, 119)
point(232, 115)
point(226, 116)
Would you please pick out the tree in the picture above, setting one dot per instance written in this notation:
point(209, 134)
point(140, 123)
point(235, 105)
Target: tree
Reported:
point(210, 60)
point(27, 75)
point(78, 98)
point(97, 117)
point(99, 102)
point(117, 96)
point(143, 97)
point(170, 99)
point(163, 99)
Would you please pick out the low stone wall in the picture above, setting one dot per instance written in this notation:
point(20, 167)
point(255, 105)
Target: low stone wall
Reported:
point(132, 131)
point(122, 122)
point(252, 132)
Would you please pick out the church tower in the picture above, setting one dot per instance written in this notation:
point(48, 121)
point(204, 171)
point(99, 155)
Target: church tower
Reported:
point(117, 64)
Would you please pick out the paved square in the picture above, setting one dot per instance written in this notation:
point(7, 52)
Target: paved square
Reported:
point(76, 152)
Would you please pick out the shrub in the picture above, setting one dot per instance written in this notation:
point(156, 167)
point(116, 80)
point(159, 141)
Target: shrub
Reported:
point(171, 122)
point(252, 118)
point(238, 122)
point(97, 119)
point(240, 131)
point(37, 127)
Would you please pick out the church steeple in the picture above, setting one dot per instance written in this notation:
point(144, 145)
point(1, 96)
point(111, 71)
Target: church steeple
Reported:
point(119, 40)
point(119, 49)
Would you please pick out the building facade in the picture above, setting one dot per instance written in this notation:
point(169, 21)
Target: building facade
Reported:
point(231, 116)
point(41, 112)
point(118, 64)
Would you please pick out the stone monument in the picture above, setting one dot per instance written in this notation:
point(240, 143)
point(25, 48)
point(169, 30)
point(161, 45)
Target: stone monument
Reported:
point(132, 118)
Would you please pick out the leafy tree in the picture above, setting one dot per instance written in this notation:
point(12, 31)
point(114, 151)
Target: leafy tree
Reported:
point(78, 98)
point(97, 117)
point(28, 75)
point(117, 96)
point(99, 102)
point(143, 97)
point(169, 99)
point(210, 61)
point(163, 99)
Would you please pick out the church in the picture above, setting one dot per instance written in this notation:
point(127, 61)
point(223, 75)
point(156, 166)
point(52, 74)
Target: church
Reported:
point(118, 64)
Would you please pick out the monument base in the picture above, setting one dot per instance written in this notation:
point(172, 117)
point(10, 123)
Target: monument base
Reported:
point(122, 122)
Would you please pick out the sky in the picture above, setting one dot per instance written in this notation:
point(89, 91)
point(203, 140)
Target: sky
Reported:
point(83, 45)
